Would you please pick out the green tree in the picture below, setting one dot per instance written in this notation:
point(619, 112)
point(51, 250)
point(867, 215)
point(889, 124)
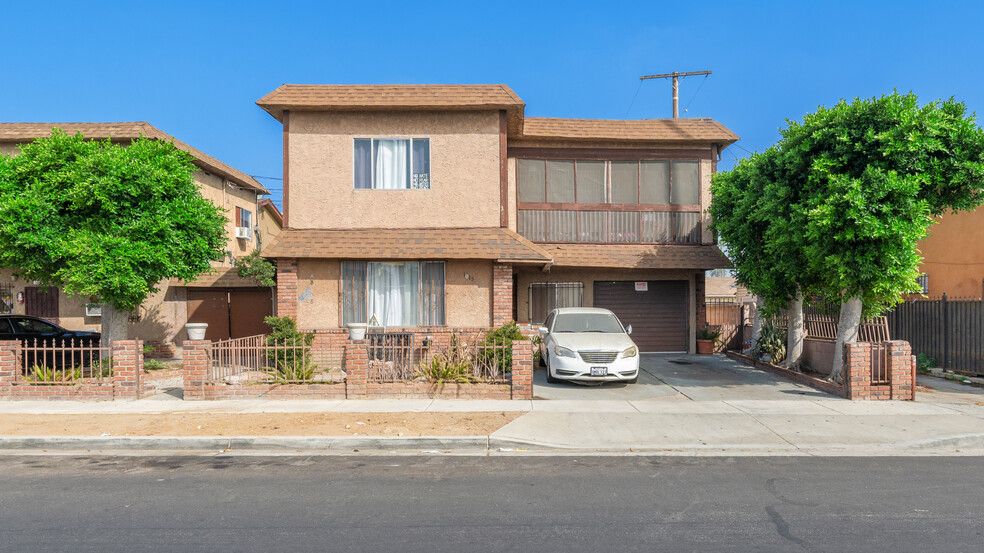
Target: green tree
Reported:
point(105, 220)
point(861, 182)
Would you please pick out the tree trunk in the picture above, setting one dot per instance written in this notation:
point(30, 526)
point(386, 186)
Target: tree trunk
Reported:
point(115, 324)
point(847, 333)
point(756, 324)
point(794, 332)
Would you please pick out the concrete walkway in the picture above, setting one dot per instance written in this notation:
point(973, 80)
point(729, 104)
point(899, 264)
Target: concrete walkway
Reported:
point(702, 407)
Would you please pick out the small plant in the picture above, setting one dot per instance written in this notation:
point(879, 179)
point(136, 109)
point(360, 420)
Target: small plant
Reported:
point(453, 364)
point(924, 363)
point(155, 365)
point(45, 375)
point(497, 351)
point(708, 334)
point(535, 342)
point(291, 351)
point(772, 341)
point(148, 350)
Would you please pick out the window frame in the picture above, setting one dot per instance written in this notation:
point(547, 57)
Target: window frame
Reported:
point(578, 285)
point(372, 166)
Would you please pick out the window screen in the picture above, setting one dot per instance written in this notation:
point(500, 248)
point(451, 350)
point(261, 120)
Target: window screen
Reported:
point(547, 296)
point(353, 292)
point(655, 182)
point(432, 293)
point(625, 182)
point(685, 187)
point(591, 182)
point(532, 180)
point(560, 182)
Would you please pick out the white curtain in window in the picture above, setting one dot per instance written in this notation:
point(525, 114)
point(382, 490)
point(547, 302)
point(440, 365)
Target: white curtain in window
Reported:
point(391, 164)
point(393, 293)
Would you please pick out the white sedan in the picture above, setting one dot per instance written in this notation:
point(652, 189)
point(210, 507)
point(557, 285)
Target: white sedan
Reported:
point(588, 344)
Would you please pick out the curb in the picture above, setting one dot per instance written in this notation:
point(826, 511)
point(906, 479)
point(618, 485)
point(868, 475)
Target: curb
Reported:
point(261, 443)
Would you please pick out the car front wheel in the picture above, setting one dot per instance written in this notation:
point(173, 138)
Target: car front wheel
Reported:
point(550, 377)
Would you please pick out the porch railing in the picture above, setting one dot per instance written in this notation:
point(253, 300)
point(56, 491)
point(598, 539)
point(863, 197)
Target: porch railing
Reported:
point(396, 358)
point(610, 227)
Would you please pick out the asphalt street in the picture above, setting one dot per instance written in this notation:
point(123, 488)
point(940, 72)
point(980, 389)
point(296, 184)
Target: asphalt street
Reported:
point(443, 503)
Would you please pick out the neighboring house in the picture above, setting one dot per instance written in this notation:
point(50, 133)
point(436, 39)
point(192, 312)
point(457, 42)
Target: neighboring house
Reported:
point(269, 222)
point(232, 306)
point(426, 206)
point(953, 256)
point(722, 286)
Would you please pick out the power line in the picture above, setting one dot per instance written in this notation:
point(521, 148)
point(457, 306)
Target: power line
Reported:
point(676, 85)
point(695, 92)
point(270, 178)
point(633, 100)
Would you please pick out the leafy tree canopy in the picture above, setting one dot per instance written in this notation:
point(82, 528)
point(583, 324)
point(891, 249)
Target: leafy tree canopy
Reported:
point(107, 220)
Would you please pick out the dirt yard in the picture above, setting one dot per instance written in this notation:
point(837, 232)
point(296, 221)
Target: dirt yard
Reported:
point(258, 424)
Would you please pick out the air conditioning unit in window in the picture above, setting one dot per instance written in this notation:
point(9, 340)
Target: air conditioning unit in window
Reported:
point(93, 310)
point(243, 232)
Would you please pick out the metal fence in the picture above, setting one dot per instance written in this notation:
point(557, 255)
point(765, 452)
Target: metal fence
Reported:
point(726, 316)
point(258, 359)
point(396, 357)
point(879, 364)
point(64, 361)
point(949, 330)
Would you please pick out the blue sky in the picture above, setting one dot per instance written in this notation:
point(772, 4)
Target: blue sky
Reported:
point(195, 69)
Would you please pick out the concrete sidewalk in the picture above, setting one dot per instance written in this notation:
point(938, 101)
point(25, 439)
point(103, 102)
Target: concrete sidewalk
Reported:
point(945, 420)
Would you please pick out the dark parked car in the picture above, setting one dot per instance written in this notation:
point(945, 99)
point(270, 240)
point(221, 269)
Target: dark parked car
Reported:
point(45, 343)
point(25, 328)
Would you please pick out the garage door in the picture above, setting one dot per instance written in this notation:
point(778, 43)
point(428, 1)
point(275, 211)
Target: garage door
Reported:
point(657, 311)
point(230, 313)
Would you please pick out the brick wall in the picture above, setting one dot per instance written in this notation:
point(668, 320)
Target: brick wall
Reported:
point(858, 359)
point(502, 294)
point(287, 288)
point(700, 287)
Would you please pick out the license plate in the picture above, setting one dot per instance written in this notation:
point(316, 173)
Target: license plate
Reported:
point(599, 371)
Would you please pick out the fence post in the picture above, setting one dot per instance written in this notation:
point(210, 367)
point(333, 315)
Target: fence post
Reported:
point(8, 366)
point(900, 374)
point(857, 370)
point(521, 381)
point(356, 369)
point(946, 334)
point(194, 367)
point(127, 359)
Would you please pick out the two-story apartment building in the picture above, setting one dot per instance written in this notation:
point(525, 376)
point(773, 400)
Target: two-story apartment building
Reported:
point(425, 206)
point(232, 306)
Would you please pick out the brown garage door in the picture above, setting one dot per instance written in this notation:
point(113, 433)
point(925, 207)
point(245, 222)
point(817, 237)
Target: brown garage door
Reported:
point(230, 313)
point(658, 315)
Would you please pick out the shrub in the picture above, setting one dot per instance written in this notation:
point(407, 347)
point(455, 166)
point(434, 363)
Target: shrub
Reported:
point(924, 363)
point(291, 351)
point(496, 353)
point(453, 364)
point(708, 334)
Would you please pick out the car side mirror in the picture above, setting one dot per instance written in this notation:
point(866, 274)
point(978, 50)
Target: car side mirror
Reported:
point(542, 330)
point(628, 329)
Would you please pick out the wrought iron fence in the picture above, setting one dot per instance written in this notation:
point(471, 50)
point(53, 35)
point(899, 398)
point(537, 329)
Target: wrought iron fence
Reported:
point(879, 364)
point(260, 359)
point(949, 330)
point(396, 357)
point(64, 361)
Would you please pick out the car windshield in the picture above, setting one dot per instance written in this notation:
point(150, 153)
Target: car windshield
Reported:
point(587, 322)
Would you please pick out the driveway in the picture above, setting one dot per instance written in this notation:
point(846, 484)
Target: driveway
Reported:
point(687, 377)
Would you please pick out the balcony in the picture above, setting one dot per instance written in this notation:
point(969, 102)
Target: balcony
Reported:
point(609, 223)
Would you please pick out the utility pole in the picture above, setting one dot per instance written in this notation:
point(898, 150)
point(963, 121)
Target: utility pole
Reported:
point(676, 86)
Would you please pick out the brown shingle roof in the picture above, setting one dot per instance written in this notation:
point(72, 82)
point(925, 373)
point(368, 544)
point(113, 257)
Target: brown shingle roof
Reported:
point(23, 132)
point(631, 256)
point(417, 97)
point(681, 130)
point(434, 243)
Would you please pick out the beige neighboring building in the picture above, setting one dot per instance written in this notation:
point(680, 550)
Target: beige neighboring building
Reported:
point(232, 306)
point(423, 207)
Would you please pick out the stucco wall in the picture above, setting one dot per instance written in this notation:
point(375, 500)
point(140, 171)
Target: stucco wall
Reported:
point(269, 228)
point(464, 189)
point(467, 298)
point(227, 196)
point(953, 257)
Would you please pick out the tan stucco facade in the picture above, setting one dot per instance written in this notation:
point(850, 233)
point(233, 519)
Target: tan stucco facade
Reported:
point(464, 181)
point(953, 255)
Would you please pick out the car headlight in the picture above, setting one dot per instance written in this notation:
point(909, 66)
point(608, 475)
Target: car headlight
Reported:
point(631, 352)
point(561, 351)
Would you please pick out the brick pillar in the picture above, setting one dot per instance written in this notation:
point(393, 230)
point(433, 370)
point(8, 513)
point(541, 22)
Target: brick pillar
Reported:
point(522, 369)
point(356, 369)
point(8, 366)
point(127, 358)
point(857, 370)
point(502, 294)
point(700, 289)
point(194, 367)
point(900, 373)
point(287, 288)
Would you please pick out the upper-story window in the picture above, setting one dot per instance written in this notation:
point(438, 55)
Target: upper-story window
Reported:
point(612, 182)
point(244, 223)
point(392, 163)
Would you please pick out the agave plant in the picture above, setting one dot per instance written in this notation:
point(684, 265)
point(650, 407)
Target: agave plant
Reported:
point(772, 341)
point(46, 375)
point(453, 364)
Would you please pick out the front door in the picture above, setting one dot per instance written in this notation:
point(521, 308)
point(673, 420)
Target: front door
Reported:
point(41, 303)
